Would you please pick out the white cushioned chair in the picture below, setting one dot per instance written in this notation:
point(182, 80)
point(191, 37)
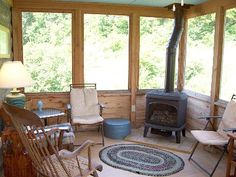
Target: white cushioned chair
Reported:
point(84, 108)
point(219, 137)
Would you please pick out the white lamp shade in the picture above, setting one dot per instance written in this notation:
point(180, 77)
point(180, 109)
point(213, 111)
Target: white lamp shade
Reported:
point(13, 74)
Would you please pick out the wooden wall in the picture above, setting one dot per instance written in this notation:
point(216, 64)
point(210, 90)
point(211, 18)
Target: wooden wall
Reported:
point(118, 104)
point(5, 20)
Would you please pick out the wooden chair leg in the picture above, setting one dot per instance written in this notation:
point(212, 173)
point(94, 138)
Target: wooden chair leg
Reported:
point(95, 174)
point(230, 154)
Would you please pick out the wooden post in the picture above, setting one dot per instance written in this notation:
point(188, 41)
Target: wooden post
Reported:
point(78, 47)
point(182, 57)
point(217, 60)
point(17, 35)
point(133, 64)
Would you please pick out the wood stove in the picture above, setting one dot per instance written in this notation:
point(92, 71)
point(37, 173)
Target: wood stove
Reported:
point(166, 112)
point(166, 109)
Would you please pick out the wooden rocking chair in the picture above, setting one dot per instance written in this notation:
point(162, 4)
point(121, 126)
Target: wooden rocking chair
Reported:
point(46, 158)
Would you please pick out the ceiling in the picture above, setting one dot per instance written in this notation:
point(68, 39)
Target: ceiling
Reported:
point(157, 3)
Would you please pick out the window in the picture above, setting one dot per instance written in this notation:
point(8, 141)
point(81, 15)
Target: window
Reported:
point(199, 59)
point(47, 50)
point(228, 84)
point(154, 36)
point(106, 40)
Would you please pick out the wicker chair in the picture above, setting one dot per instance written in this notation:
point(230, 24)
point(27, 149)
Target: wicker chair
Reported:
point(46, 158)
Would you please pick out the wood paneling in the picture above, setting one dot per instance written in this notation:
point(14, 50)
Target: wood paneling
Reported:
point(116, 105)
point(195, 109)
point(140, 109)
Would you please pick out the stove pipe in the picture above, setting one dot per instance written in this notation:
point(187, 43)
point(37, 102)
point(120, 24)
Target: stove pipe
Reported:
point(171, 48)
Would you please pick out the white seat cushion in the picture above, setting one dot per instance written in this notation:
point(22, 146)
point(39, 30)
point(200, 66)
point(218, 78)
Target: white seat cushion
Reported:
point(209, 137)
point(89, 119)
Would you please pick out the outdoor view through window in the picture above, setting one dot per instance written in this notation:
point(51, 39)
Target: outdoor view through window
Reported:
point(154, 36)
point(47, 50)
point(228, 85)
point(106, 40)
point(199, 59)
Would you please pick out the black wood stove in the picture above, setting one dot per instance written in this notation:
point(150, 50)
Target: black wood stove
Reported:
point(166, 108)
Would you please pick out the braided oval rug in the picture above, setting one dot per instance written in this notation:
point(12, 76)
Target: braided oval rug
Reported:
point(141, 159)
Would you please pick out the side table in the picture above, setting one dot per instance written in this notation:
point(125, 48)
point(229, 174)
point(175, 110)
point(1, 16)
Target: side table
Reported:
point(48, 113)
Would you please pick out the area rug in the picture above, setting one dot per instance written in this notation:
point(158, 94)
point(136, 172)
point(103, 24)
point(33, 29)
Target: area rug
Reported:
point(186, 145)
point(141, 159)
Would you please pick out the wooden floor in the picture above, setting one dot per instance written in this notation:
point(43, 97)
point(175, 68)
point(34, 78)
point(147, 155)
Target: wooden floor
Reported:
point(190, 170)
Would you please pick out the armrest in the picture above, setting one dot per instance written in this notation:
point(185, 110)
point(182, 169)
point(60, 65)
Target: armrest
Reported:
point(68, 154)
point(209, 117)
point(101, 105)
point(232, 135)
point(68, 112)
point(68, 106)
point(230, 130)
point(51, 131)
point(62, 127)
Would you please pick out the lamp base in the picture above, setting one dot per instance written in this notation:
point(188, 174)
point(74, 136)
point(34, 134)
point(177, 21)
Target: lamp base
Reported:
point(16, 99)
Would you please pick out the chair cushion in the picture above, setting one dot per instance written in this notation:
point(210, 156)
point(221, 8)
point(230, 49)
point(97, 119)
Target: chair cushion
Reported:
point(68, 136)
point(84, 102)
point(89, 119)
point(209, 137)
point(228, 119)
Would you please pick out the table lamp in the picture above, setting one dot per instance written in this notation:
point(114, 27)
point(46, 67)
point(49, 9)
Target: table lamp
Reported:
point(13, 75)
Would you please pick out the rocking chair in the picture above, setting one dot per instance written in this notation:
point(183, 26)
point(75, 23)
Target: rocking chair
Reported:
point(46, 158)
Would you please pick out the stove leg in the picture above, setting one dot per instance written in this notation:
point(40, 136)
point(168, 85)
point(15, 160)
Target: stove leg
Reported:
point(145, 131)
point(178, 136)
point(183, 132)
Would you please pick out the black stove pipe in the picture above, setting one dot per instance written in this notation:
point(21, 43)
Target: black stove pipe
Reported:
point(171, 48)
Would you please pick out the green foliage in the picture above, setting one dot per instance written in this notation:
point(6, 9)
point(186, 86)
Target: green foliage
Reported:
point(202, 29)
point(198, 70)
point(116, 46)
point(106, 51)
point(230, 25)
point(111, 23)
point(155, 34)
point(47, 50)
point(192, 71)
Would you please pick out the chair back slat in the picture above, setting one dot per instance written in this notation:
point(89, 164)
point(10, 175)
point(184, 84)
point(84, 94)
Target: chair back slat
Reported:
point(83, 85)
